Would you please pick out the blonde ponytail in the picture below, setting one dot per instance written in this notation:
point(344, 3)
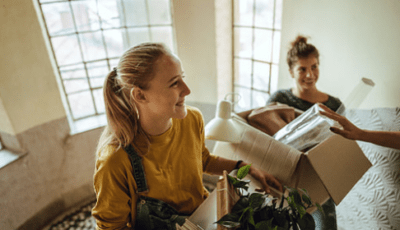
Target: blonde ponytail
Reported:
point(135, 69)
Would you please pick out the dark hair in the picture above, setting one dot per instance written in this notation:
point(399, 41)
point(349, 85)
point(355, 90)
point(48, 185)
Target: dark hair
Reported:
point(300, 49)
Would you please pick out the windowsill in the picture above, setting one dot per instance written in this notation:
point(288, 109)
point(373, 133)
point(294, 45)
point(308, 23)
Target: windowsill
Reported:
point(88, 124)
point(7, 157)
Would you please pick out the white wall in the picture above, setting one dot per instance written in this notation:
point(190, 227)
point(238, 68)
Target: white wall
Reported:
point(195, 34)
point(358, 38)
point(28, 87)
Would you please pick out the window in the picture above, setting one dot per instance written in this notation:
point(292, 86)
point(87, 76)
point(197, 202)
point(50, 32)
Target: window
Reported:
point(87, 38)
point(256, 47)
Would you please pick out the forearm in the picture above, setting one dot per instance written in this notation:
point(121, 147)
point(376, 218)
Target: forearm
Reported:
point(389, 139)
point(218, 166)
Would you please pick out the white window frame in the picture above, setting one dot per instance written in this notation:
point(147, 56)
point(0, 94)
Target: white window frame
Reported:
point(237, 86)
point(98, 118)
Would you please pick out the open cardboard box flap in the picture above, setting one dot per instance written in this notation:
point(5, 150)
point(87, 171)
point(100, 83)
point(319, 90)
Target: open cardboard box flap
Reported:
point(339, 163)
point(330, 169)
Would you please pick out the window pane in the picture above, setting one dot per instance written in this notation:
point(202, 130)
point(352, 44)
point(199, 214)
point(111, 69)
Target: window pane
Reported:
point(99, 100)
point(245, 101)
point(243, 12)
point(278, 14)
point(111, 13)
point(259, 99)
point(138, 35)
point(243, 41)
point(114, 42)
point(72, 72)
point(58, 18)
point(72, 86)
point(66, 49)
point(260, 45)
point(92, 45)
point(81, 104)
point(113, 63)
point(43, 1)
point(162, 34)
point(264, 13)
point(277, 47)
point(242, 72)
point(274, 71)
point(97, 72)
point(159, 11)
point(90, 123)
point(85, 14)
point(263, 45)
point(261, 76)
point(136, 12)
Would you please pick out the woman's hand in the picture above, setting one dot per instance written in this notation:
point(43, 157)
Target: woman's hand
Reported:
point(349, 130)
point(265, 179)
point(389, 139)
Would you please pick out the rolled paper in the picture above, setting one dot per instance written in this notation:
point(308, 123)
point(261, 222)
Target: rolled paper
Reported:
point(359, 93)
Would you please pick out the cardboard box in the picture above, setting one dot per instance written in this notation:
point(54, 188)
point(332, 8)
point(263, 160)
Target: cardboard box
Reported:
point(330, 169)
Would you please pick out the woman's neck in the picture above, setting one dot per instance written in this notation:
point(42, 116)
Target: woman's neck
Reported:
point(154, 126)
point(311, 95)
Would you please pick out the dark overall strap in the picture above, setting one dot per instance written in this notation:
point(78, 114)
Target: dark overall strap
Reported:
point(151, 213)
point(138, 171)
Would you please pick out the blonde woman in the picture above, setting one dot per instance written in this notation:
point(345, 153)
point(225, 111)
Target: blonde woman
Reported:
point(151, 155)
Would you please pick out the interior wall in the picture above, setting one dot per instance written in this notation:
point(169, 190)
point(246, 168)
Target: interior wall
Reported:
point(5, 123)
point(195, 34)
point(28, 87)
point(355, 38)
point(56, 172)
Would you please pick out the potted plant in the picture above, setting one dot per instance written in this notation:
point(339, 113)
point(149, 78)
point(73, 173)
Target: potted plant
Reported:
point(262, 211)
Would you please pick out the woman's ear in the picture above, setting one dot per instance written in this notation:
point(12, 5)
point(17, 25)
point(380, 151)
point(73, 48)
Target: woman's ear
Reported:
point(138, 95)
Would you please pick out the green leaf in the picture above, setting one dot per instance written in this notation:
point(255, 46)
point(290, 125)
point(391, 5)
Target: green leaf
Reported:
point(230, 220)
point(232, 179)
point(306, 199)
point(320, 208)
point(291, 202)
point(243, 171)
point(256, 200)
point(245, 213)
point(296, 196)
point(265, 225)
point(251, 218)
point(306, 222)
point(282, 219)
point(305, 191)
point(240, 205)
point(301, 210)
point(238, 183)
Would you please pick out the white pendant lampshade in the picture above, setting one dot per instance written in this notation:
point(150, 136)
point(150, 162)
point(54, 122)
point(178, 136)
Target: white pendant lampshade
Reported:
point(222, 128)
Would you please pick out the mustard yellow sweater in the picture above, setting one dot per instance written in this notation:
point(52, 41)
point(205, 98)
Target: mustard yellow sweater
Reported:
point(173, 166)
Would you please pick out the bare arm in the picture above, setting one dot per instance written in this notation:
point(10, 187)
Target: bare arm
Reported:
point(389, 139)
point(266, 180)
